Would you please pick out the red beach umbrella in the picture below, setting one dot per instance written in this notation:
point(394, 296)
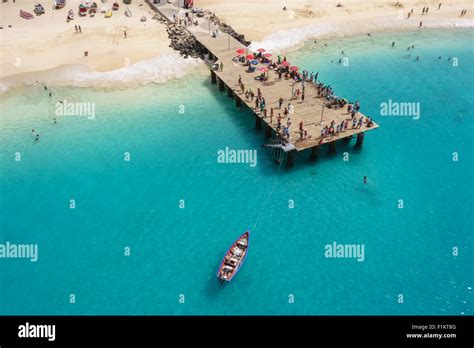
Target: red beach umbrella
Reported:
point(261, 50)
point(240, 51)
point(294, 68)
point(268, 55)
point(285, 63)
point(250, 56)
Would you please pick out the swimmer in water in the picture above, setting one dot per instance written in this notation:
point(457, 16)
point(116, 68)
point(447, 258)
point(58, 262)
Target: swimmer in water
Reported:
point(50, 94)
point(417, 58)
point(393, 43)
point(55, 120)
point(37, 137)
point(365, 179)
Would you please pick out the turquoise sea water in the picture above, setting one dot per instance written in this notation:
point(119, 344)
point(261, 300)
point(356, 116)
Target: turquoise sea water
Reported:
point(176, 251)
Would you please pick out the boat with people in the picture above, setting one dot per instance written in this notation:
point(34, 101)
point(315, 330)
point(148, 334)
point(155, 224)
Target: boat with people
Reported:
point(58, 4)
point(26, 15)
point(234, 258)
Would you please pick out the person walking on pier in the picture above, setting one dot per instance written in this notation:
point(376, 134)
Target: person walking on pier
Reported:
point(222, 66)
point(280, 103)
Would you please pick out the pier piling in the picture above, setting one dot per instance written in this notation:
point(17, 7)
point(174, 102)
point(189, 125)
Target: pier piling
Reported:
point(258, 122)
point(332, 148)
point(314, 153)
point(230, 92)
point(221, 85)
point(238, 102)
point(268, 132)
point(360, 139)
point(290, 159)
point(213, 77)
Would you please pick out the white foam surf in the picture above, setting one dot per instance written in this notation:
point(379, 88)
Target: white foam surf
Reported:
point(294, 38)
point(155, 70)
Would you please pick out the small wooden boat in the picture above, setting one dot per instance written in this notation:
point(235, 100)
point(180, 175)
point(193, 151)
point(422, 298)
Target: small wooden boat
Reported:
point(59, 4)
point(26, 15)
point(234, 258)
point(82, 10)
point(39, 9)
point(70, 15)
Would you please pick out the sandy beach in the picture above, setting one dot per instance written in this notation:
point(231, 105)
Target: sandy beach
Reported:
point(49, 41)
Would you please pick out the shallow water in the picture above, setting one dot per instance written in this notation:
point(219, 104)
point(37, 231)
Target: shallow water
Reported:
point(174, 156)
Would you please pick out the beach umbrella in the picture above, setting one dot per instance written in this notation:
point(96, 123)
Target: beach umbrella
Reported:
point(240, 51)
point(261, 50)
point(294, 68)
point(268, 55)
point(250, 56)
point(285, 63)
point(254, 62)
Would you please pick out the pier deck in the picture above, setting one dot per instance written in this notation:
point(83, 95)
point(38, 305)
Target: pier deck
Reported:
point(310, 112)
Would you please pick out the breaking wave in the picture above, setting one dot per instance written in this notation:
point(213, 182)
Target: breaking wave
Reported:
point(155, 70)
point(294, 38)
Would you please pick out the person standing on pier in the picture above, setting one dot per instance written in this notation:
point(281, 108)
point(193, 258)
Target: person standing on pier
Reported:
point(222, 66)
point(280, 102)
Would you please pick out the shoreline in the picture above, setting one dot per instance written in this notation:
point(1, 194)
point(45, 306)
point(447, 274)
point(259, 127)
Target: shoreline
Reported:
point(156, 69)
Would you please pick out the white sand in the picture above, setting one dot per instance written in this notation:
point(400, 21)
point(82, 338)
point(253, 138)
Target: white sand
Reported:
point(49, 41)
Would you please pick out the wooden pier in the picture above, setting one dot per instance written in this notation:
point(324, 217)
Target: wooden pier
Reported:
point(311, 111)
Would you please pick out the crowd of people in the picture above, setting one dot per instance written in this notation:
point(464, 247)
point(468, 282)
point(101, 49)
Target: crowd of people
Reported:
point(280, 115)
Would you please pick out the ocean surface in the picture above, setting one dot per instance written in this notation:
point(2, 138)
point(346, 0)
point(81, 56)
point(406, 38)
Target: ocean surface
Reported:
point(172, 133)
